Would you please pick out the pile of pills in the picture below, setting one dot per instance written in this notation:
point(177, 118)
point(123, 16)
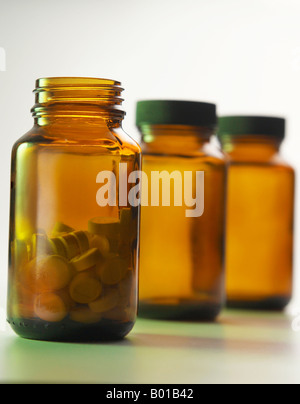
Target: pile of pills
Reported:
point(86, 276)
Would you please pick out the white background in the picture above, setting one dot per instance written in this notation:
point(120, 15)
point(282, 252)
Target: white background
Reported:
point(243, 55)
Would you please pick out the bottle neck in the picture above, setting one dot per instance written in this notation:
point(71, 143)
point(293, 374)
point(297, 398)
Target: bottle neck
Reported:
point(251, 147)
point(66, 101)
point(174, 139)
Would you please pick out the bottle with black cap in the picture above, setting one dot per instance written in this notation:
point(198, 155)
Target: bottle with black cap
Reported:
point(183, 208)
point(260, 213)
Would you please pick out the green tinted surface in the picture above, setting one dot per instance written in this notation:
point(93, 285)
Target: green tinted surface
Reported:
point(243, 347)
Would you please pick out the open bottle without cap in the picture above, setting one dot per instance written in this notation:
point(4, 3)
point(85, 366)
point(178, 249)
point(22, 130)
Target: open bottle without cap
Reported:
point(260, 213)
point(73, 264)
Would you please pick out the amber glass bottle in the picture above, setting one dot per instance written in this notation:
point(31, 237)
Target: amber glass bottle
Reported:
point(73, 254)
point(260, 213)
point(181, 273)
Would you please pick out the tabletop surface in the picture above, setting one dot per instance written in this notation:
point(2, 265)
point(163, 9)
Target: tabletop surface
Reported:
point(241, 347)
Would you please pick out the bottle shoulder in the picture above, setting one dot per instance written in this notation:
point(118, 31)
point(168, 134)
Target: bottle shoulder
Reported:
point(28, 137)
point(206, 152)
point(110, 139)
point(275, 162)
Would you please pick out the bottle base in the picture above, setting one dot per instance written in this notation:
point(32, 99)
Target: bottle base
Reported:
point(69, 331)
point(277, 303)
point(192, 311)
